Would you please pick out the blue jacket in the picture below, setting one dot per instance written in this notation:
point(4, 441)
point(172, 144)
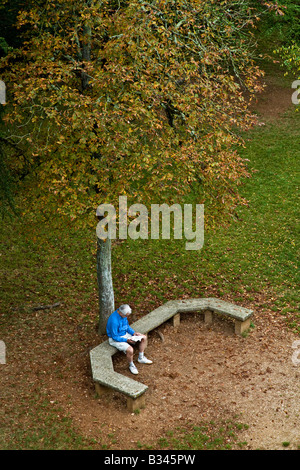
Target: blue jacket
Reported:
point(117, 327)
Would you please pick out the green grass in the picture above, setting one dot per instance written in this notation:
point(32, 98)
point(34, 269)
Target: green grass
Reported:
point(205, 436)
point(251, 261)
point(49, 429)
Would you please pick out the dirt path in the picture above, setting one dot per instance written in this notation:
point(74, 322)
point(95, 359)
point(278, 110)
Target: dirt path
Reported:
point(275, 99)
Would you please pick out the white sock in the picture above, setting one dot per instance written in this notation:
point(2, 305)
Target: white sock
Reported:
point(131, 364)
point(141, 355)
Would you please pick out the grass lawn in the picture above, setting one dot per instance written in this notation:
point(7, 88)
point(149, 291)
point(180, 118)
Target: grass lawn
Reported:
point(253, 259)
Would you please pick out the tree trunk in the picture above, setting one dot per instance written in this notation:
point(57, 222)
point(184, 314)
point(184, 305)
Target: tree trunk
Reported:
point(105, 285)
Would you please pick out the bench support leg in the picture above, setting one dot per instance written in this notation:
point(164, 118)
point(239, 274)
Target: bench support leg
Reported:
point(102, 390)
point(241, 326)
point(176, 320)
point(135, 403)
point(208, 317)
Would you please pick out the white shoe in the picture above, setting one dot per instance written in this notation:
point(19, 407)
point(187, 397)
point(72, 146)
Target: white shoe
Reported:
point(133, 369)
point(144, 360)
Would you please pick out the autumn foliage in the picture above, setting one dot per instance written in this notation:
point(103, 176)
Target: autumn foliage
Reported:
point(143, 98)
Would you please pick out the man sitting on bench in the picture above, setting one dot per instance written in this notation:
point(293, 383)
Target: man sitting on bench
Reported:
point(123, 337)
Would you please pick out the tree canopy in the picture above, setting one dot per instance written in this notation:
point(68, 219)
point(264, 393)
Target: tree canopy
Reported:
point(143, 98)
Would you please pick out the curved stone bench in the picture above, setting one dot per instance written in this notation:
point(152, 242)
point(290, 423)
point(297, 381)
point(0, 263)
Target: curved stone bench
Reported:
point(107, 379)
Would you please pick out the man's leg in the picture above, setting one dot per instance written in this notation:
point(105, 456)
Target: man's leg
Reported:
point(142, 346)
point(128, 350)
point(129, 354)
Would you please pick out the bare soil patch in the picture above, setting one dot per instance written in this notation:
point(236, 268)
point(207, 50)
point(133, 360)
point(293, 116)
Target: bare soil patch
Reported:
point(274, 100)
point(201, 374)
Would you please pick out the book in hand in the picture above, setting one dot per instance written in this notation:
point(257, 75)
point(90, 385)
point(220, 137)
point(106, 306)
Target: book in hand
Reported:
point(136, 338)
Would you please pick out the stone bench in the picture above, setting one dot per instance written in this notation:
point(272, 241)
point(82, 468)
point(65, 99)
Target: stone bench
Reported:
point(106, 379)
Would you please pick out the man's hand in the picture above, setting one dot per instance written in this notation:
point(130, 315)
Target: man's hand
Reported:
point(129, 341)
point(139, 334)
